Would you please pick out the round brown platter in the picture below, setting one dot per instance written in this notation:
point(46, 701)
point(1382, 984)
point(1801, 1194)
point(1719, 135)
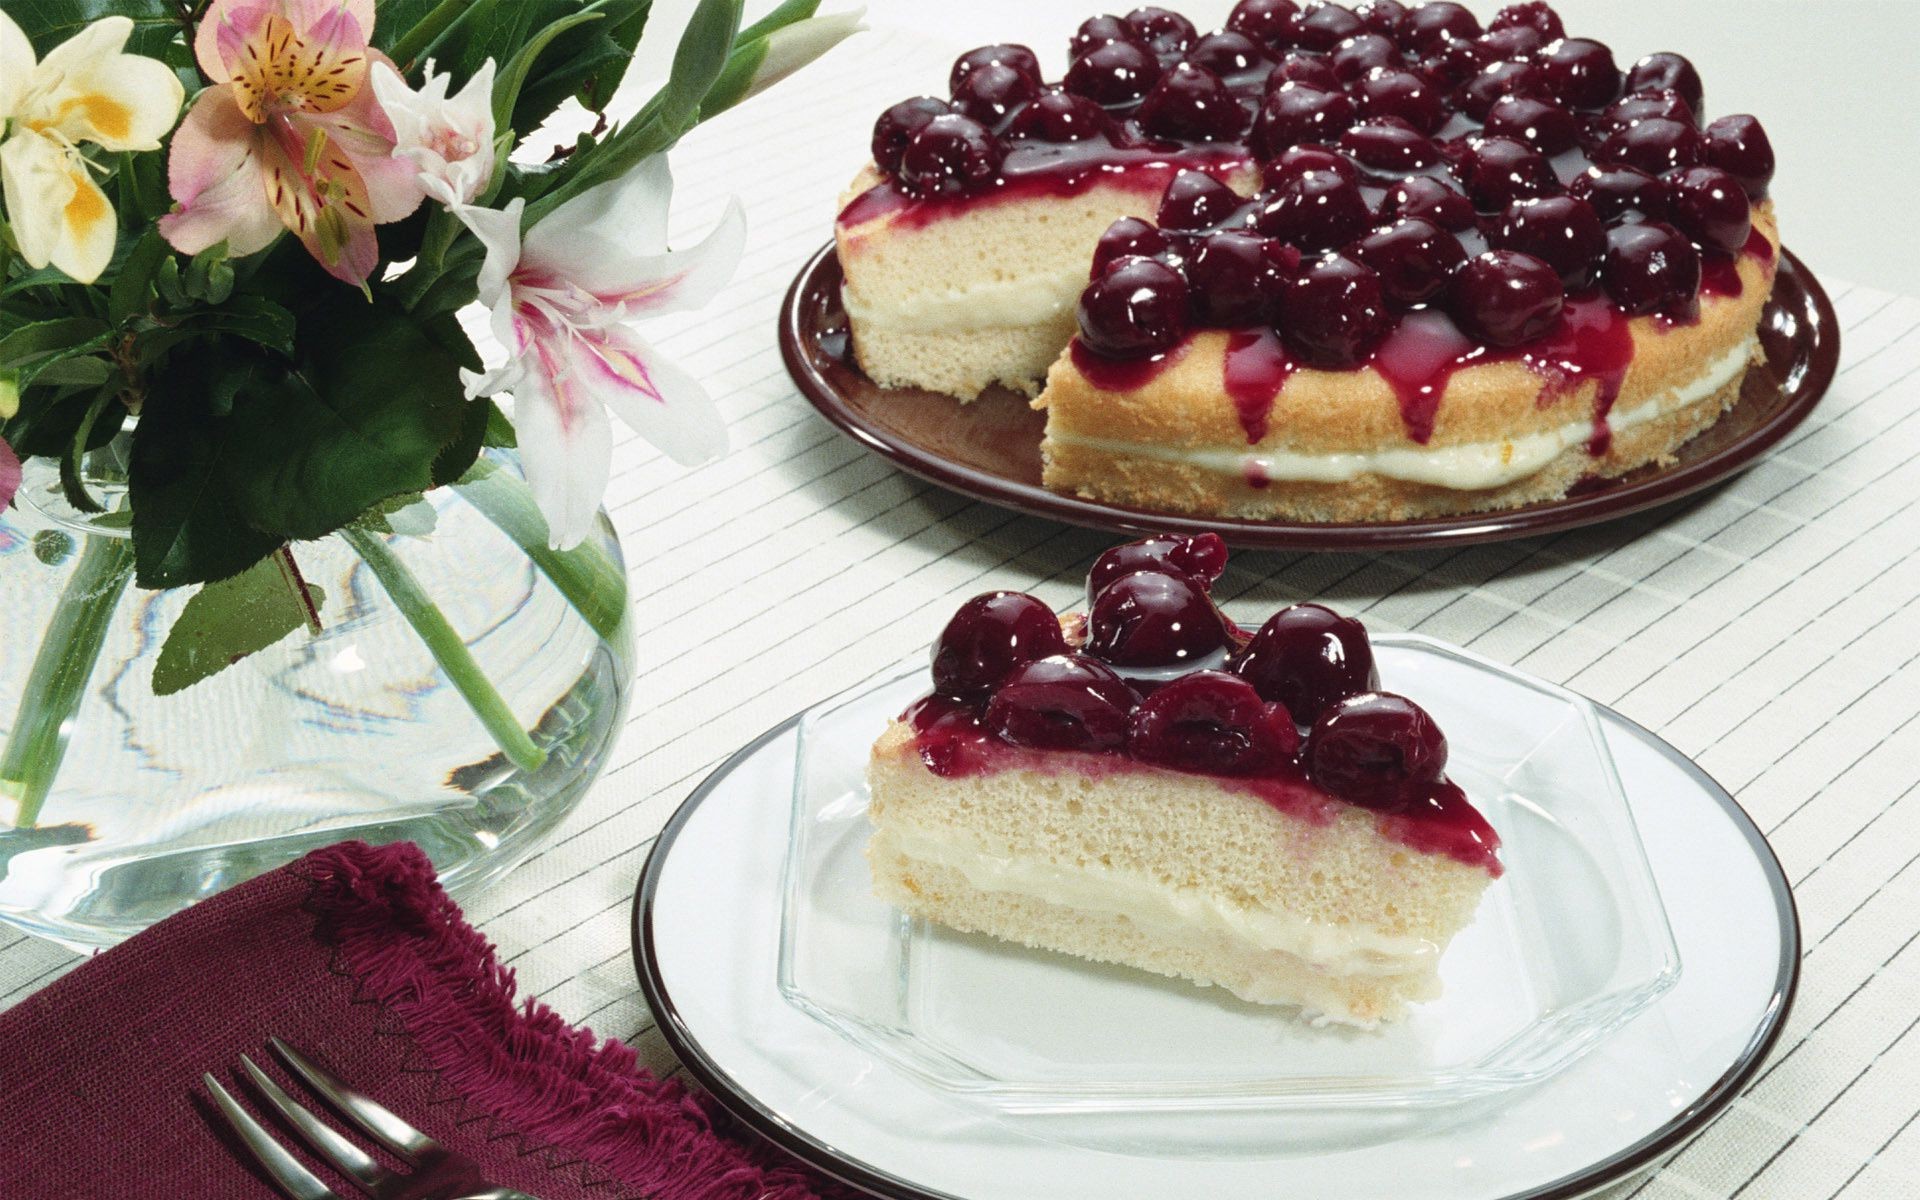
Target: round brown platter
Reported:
point(990, 449)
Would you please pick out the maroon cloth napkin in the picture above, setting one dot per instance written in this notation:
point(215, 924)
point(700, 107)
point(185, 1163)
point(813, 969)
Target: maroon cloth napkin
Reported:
point(356, 955)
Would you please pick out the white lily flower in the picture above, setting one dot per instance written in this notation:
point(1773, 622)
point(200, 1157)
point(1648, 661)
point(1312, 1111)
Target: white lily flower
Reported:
point(86, 90)
point(794, 46)
point(449, 140)
point(564, 303)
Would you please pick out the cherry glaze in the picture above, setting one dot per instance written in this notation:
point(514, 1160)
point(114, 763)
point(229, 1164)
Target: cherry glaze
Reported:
point(1257, 367)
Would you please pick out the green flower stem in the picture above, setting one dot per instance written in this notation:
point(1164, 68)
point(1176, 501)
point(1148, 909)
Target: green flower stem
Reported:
point(585, 575)
point(447, 648)
point(61, 669)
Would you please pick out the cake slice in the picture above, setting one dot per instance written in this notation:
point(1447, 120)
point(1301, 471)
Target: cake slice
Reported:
point(1152, 787)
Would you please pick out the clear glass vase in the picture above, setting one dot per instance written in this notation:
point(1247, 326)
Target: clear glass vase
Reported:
point(462, 692)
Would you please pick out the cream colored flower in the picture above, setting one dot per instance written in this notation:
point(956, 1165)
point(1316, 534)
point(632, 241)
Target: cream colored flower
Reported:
point(87, 89)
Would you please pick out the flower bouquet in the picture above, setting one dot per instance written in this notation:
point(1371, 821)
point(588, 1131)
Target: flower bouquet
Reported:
point(235, 236)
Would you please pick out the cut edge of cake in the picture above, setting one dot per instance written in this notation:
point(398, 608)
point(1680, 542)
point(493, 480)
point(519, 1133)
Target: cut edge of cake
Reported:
point(1311, 905)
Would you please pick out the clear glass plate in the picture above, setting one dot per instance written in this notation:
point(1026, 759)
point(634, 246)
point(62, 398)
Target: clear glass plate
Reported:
point(1567, 947)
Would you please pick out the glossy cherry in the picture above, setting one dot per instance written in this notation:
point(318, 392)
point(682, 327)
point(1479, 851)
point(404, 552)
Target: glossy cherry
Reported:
point(1095, 32)
point(1137, 308)
point(1273, 23)
point(1534, 15)
point(1362, 53)
point(1059, 116)
point(1227, 53)
point(991, 92)
point(1478, 95)
point(1127, 238)
point(1309, 658)
point(1710, 206)
point(1303, 66)
point(1192, 103)
point(1153, 619)
point(1236, 278)
point(1433, 199)
point(1324, 25)
point(1738, 145)
point(1621, 194)
point(1500, 170)
point(1298, 160)
point(1414, 258)
point(1315, 210)
point(1334, 312)
point(1579, 72)
point(951, 155)
point(1020, 58)
point(1515, 41)
point(1381, 16)
point(1652, 267)
point(1542, 124)
point(1427, 28)
point(1162, 30)
point(1664, 104)
point(989, 636)
point(1376, 749)
point(1062, 702)
point(1668, 71)
point(1298, 112)
point(1114, 73)
point(1386, 92)
point(1562, 231)
point(1456, 63)
point(1656, 146)
point(1200, 557)
point(898, 124)
point(1389, 147)
point(1212, 723)
point(1196, 200)
point(1506, 298)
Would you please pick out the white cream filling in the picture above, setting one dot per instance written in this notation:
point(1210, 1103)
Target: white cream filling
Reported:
point(1469, 467)
point(1168, 911)
point(1033, 299)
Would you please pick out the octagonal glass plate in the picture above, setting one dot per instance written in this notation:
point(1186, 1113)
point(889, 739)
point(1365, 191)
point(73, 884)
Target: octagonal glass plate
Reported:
point(1567, 946)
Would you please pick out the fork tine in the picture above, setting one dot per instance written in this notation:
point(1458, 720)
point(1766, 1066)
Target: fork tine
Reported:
point(294, 1179)
point(380, 1125)
point(336, 1150)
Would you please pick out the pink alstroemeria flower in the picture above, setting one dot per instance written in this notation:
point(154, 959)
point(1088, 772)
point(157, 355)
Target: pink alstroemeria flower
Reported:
point(564, 303)
point(290, 136)
point(9, 474)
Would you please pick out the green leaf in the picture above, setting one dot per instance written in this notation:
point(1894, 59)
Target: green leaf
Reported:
point(698, 60)
point(513, 76)
point(452, 462)
point(187, 524)
point(133, 287)
point(255, 318)
point(43, 277)
point(781, 17)
point(585, 60)
point(370, 404)
point(45, 337)
point(227, 620)
point(47, 23)
point(500, 431)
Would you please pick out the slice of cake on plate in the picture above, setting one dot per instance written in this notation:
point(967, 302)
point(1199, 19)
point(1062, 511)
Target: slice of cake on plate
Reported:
point(1151, 786)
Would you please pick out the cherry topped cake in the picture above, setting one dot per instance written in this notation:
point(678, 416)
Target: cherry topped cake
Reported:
point(1151, 785)
point(1367, 264)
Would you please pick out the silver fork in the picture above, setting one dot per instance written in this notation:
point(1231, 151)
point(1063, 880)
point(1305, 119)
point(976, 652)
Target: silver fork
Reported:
point(437, 1173)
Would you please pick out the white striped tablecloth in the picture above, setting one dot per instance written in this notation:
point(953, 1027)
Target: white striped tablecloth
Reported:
point(1769, 629)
